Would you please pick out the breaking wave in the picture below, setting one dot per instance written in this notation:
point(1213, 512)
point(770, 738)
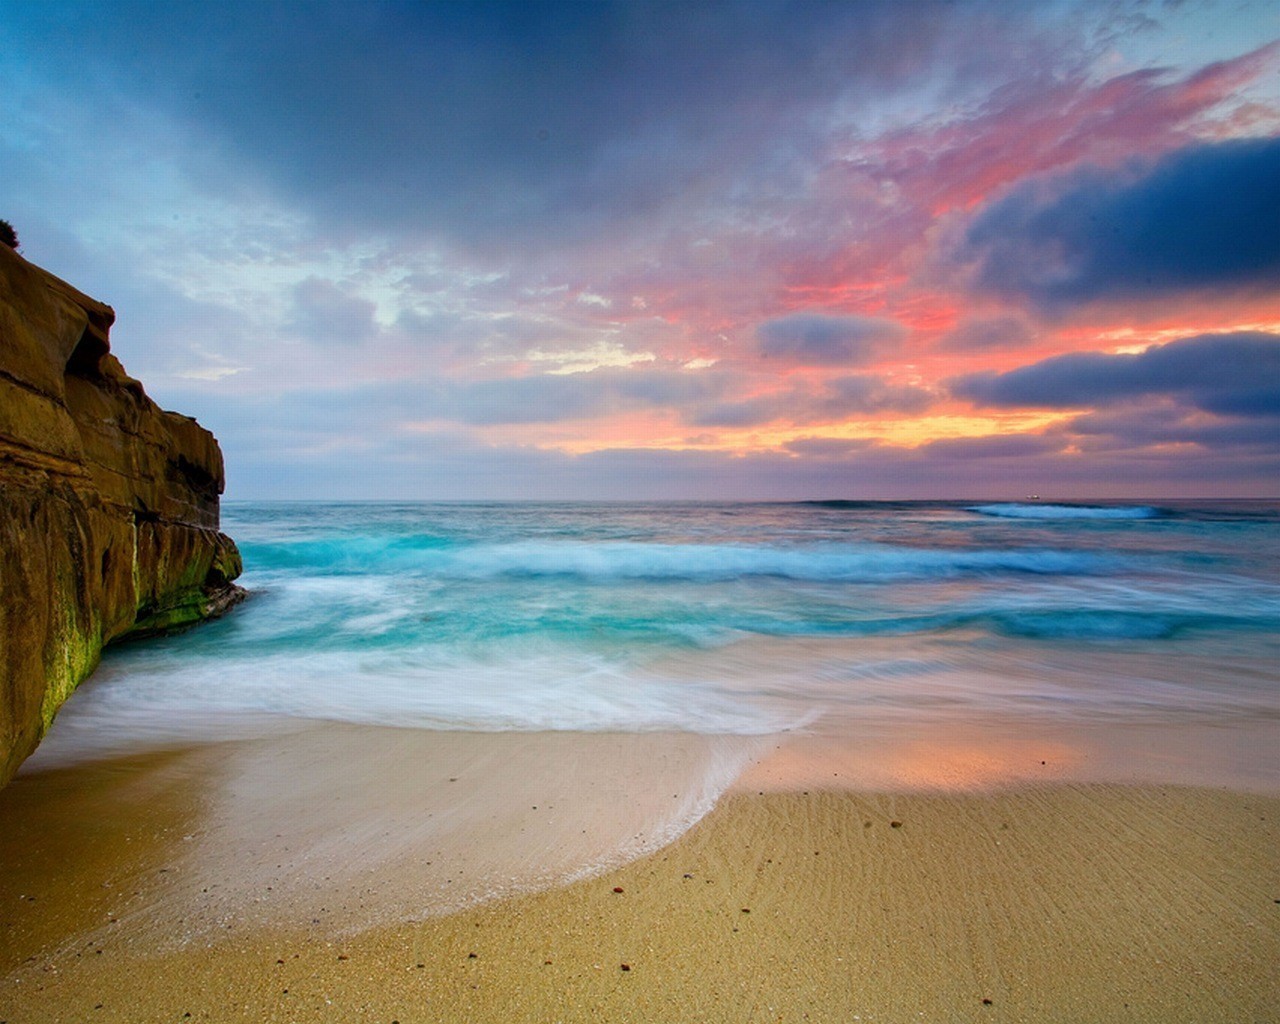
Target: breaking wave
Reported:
point(1020, 510)
point(677, 562)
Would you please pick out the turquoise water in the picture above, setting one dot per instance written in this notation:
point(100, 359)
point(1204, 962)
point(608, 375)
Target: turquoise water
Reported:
point(716, 618)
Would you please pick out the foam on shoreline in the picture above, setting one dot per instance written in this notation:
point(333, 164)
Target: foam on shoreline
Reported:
point(347, 827)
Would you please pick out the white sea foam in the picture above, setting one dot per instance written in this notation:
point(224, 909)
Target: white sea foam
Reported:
point(637, 620)
point(162, 701)
point(625, 560)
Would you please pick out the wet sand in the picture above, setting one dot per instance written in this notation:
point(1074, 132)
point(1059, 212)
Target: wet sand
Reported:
point(1044, 900)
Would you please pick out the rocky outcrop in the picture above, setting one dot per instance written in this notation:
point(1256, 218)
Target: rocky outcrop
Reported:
point(108, 505)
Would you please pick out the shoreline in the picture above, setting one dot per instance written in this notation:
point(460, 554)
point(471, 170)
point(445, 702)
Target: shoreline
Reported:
point(1056, 900)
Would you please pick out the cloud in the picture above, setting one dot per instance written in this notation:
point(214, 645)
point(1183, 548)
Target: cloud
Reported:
point(1146, 428)
point(535, 186)
point(1226, 374)
point(324, 313)
point(452, 464)
point(833, 400)
point(866, 393)
point(1014, 446)
point(813, 340)
point(1061, 116)
point(976, 334)
point(544, 398)
point(485, 122)
point(828, 447)
point(1204, 217)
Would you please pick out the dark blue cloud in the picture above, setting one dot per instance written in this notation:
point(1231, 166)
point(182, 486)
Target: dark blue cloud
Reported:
point(1205, 217)
point(1226, 374)
point(517, 124)
point(814, 340)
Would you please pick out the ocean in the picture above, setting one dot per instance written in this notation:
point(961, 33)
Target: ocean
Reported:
point(752, 619)
point(426, 706)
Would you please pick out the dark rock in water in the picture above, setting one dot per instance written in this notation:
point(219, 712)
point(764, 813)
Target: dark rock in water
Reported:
point(108, 505)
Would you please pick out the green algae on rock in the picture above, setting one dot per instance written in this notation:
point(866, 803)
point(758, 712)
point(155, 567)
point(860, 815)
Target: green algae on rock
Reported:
point(108, 505)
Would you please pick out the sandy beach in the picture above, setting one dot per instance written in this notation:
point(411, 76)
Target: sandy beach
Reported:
point(1052, 900)
point(640, 512)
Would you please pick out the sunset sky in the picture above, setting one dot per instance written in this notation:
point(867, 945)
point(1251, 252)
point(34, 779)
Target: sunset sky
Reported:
point(635, 250)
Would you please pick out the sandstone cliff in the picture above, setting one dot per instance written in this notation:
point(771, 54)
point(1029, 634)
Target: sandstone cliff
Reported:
point(108, 505)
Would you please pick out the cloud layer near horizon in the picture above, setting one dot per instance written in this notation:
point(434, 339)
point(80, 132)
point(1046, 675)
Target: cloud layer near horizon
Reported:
point(637, 249)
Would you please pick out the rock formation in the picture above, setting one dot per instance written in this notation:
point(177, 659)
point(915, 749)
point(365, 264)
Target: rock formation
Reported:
point(108, 505)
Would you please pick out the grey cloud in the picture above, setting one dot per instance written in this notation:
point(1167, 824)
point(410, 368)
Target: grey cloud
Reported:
point(544, 398)
point(1011, 446)
point(991, 332)
point(467, 336)
point(552, 398)
point(865, 393)
point(859, 394)
point(324, 313)
point(302, 443)
point(699, 398)
point(449, 464)
point(815, 340)
point(161, 333)
point(1147, 427)
point(828, 447)
point(751, 412)
point(497, 124)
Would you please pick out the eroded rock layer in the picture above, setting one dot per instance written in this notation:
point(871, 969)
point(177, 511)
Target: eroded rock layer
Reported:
point(108, 505)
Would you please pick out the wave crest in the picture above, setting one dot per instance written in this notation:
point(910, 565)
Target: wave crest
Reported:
point(1021, 510)
point(604, 562)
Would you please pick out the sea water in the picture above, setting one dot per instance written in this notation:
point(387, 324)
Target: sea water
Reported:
point(422, 706)
point(733, 618)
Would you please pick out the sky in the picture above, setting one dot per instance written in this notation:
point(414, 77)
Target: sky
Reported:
point(754, 250)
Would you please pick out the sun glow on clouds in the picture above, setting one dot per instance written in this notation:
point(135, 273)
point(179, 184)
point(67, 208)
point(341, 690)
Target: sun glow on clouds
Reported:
point(1134, 339)
point(870, 244)
point(603, 353)
point(654, 433)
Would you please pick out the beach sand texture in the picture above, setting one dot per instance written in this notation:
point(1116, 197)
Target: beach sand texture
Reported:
point(1040, 902)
